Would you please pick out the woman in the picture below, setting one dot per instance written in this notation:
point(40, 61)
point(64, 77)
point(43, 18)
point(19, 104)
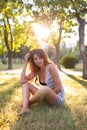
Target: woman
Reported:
point(44, 70)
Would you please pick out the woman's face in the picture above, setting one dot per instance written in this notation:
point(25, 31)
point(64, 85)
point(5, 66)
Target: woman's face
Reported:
point(38, 61)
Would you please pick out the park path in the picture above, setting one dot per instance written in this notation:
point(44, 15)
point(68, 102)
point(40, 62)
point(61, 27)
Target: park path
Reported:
point(71, 72)
point(63, 72)
point(15, 73)
point(7, 74)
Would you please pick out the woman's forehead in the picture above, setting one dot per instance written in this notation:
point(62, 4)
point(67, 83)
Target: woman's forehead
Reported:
point(35, 55)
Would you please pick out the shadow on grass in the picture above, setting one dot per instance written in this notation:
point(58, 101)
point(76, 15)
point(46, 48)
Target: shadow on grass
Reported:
point(7, 82)
point(3, 84)
point(80, 81)
point(6, 94)
point(46, 117)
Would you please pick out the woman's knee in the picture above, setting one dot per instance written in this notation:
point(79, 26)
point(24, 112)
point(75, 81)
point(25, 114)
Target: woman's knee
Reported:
point(30, 87)
point(26, 85)
point(44, 89)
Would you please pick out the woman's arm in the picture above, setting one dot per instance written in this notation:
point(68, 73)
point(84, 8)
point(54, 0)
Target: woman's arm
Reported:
point(54, 72)
point(24, 78)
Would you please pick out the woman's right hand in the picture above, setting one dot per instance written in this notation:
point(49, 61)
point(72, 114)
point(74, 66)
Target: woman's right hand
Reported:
point(26, 57)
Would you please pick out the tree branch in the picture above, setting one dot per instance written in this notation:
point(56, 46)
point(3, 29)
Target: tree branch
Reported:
point(74, 6)
point(10, 33)
point(6, 35)
point(84, 10)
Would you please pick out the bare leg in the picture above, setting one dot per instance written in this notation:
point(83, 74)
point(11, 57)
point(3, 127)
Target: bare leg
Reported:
point(26, 89)
point(44, 93)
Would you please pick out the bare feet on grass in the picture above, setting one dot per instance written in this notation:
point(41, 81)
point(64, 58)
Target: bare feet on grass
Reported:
point(24, 110)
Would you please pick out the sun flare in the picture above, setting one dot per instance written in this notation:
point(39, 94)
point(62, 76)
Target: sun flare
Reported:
point(40, 31)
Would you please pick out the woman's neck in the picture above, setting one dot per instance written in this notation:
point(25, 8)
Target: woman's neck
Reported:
point(42, 67)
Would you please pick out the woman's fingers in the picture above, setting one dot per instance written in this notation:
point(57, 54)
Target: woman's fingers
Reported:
point(27, 56)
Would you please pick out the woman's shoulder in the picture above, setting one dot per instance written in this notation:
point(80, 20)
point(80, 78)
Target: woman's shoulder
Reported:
point(53, 69)
point(52, 66)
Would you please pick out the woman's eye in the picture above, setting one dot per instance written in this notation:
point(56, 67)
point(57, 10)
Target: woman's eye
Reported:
point(35, 59)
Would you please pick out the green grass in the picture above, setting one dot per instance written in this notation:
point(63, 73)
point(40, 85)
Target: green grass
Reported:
point(79, 67)
point(14, 66)
point(72, 115)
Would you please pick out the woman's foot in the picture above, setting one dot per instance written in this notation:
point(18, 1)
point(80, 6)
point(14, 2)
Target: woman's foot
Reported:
point(24, 110)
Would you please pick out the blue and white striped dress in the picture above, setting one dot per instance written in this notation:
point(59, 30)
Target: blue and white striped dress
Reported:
point(50, 84)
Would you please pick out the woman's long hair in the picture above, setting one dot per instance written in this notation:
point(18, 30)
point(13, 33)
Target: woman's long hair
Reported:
point(42, 54)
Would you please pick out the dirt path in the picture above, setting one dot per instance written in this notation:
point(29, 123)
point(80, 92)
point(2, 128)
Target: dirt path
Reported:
point(63, 72)
point(71, 72)
point(8, 74)
point(14, 71)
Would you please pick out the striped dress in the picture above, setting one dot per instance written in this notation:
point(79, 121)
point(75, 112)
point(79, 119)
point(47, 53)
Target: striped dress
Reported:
point(50, 84)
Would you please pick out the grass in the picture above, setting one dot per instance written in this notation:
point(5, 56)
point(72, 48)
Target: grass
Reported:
point(78, 67)
point(17, 65)
point(72, 115)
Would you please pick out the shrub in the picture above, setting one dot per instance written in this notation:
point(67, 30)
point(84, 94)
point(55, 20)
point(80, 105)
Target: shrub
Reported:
point(4, 61)
point(69, 61)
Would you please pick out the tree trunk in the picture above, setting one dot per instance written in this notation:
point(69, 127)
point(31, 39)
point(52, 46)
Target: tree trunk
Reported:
point(8, 42)
point(82, 47)
point(10, 60)
point(81, 38)
point(85, 68)
point(57, 48)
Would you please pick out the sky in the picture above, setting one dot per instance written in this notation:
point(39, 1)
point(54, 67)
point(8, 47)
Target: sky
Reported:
point(74, 38)
point(43, 33)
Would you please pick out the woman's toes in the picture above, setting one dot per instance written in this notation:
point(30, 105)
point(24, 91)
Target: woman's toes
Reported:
point(24, 111)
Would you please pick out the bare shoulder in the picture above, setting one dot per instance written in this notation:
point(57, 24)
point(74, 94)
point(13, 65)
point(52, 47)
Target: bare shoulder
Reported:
point(54, 71)
point(52, 67)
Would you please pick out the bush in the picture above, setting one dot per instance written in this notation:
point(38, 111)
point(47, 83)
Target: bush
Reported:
point(69, 61)
point(4, 61)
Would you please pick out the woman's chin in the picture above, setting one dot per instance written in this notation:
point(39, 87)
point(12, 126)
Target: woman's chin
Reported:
point(40, 65)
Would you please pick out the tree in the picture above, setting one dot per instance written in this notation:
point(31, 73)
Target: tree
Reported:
point(8, 12)
point(15, 33)
point(79, 8)
point(55, 40)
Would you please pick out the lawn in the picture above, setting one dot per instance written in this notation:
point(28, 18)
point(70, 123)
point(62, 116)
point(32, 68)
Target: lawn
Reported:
point(16, 65)
point(72, 115)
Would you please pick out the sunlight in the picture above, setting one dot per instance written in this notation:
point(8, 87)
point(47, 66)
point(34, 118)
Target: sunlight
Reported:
point(40, 31)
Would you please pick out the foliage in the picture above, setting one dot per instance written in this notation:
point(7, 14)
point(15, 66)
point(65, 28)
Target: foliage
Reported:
point(74, 50)
point(69, 61)
point(9, 12)
point(4, 61)
point(51, 53)
point(15, 31)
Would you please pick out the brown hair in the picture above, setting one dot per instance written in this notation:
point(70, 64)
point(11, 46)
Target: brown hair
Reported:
point(42, 54)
